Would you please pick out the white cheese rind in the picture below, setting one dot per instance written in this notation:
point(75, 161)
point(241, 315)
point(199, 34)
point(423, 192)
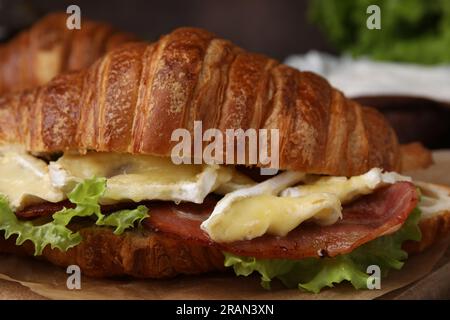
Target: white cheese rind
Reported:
point(347, 189)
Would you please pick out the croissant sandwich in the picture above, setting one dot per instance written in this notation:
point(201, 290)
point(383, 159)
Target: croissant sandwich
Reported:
point(97, 170)
point(49, 48)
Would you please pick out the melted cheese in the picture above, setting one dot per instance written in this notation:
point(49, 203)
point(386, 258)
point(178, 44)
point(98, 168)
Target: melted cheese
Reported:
point(24, 179)
point(251, 212)
point(139, 177)
point(251, 217)
point(238, 181)
point(347, 189)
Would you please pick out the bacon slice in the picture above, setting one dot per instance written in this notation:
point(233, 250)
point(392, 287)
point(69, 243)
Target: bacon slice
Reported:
point(42, 210)
point(367, 218)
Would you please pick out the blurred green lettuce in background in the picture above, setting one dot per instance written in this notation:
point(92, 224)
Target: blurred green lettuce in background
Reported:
point(416, 31)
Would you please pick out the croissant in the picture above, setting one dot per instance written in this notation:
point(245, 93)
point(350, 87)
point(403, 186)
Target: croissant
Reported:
point(133, 98)
point(48, 48)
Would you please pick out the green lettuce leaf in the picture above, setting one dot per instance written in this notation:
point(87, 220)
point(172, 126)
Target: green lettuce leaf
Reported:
point(124, 219)
point(313, 274)
point(86, 196)
point(55, 233)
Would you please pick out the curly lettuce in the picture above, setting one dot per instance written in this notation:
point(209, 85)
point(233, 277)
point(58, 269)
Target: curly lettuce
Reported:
point(124, 219)
point(51, 233)
point(85, 196)
point(313, 274)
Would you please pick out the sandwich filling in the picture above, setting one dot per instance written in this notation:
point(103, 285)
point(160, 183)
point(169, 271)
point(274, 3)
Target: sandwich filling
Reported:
point(306, 230)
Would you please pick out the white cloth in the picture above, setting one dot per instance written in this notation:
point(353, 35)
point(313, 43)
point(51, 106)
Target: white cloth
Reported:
point(364, 77)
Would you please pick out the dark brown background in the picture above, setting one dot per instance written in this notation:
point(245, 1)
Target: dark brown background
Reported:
point(276, 28)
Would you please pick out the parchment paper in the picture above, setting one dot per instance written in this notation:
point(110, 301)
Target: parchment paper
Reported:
point(50, 281)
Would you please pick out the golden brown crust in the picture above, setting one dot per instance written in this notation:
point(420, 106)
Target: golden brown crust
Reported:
point(137, 95)
point(49, 48)
point(141, 255)
point(415, 156)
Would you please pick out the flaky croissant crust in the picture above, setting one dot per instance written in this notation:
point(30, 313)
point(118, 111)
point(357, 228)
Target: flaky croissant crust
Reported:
point(133, 98)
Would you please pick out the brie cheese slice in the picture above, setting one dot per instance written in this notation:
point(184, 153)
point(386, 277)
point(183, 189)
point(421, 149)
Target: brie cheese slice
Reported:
point(139, 177)
point(251, 217)
point(251, 212)
point(24, 179)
